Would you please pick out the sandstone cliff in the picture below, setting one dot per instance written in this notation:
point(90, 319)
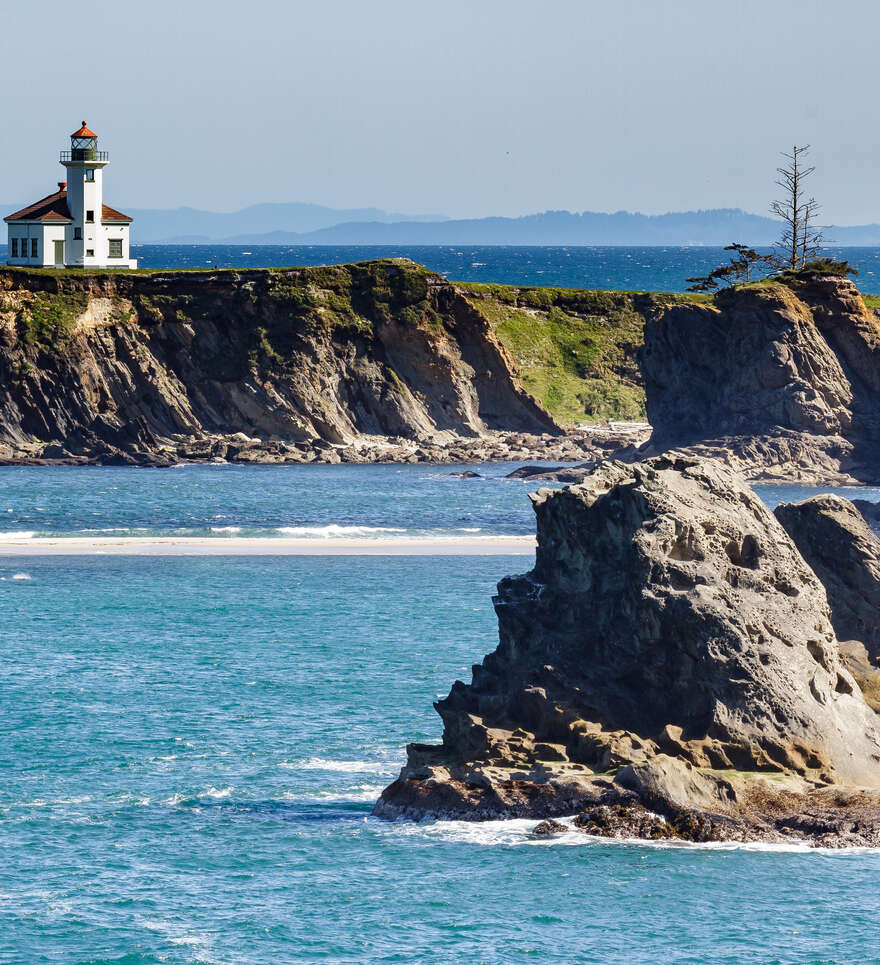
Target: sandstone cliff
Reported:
point(669, 648)
point(157, 366)
point(778, 379)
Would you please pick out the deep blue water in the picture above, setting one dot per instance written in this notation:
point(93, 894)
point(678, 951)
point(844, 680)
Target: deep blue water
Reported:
point(192, 747)
point(614, 267)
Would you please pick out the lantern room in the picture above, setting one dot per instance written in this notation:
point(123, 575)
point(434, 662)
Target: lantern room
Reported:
point(84, 147)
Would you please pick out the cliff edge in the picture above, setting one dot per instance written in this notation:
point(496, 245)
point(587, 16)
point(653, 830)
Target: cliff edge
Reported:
point(280, 365)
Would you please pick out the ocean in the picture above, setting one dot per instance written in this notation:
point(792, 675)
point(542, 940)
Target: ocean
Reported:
point(664, 269)
point(192, 747)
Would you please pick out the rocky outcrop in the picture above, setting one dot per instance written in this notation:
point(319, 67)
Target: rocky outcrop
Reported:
point(780, 380)
point(279, 364)
point(870, 511)
point(669, 652)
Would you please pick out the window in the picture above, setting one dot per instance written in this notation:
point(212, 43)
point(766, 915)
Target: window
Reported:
point(77, 234)
point(90, 174)
point(115, 248)
point(90, 217)
point(15, 247)
point(90, 252)
point(34, 248)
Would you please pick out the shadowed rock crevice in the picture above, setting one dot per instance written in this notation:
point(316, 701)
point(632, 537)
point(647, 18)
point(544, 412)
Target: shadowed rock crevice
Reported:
point(834, 538)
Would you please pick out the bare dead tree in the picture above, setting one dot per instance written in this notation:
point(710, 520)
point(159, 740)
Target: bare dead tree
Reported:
point(812, 238)
point(801, 238)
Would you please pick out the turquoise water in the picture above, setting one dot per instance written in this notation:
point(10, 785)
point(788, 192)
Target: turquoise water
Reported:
point(192, 747)
point(663, 269)
point(301, 501)
point(321, 502)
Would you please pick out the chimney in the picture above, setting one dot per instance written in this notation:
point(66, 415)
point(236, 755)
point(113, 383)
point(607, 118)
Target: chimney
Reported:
point(62, 185)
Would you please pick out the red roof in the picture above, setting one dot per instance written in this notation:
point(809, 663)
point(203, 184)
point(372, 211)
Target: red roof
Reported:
point(111, 214)
point(84, 132)
point(52, 208)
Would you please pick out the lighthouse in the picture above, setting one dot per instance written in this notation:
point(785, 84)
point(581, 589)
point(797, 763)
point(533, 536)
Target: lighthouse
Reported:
point(72, 227)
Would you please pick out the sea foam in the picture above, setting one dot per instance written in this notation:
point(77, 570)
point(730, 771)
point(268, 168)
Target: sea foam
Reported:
point(335, 531)
point(345, 767)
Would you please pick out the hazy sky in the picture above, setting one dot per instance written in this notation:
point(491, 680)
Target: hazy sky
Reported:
point(465, 107)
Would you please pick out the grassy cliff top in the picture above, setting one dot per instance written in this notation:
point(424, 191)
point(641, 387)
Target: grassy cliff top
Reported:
point(576, 350)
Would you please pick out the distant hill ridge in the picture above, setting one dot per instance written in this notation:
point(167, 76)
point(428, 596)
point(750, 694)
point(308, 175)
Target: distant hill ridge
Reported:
point(713, 227)
point(298, 223)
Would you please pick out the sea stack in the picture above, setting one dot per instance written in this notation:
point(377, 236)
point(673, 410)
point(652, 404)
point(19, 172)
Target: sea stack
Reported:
point(669, 668)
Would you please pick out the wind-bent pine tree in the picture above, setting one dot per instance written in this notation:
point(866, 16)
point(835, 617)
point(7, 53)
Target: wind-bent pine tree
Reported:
point(801, 239)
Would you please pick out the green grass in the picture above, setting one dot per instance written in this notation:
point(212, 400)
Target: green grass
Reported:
point(50, 317)
point(575, 350)
point(408, 268)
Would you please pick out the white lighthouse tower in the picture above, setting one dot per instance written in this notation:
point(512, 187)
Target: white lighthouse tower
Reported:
point(73, 228)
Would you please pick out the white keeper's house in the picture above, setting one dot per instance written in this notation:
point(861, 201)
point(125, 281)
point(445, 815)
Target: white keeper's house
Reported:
point(73, 228)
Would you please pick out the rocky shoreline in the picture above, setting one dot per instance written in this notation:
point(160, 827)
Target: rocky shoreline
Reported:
point(490, 446)
point(669, 669)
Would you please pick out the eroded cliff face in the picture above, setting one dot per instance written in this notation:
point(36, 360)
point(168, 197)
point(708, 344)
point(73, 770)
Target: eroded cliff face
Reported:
point(154, 366)
point(837, 543)
point(781, 379)
point(669, 638)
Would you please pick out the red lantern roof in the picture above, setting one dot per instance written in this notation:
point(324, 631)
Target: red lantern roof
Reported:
point(84, 132)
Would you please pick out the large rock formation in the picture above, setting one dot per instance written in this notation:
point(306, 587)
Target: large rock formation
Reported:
point(154, 366)
point(779, 380)
point(670, 646)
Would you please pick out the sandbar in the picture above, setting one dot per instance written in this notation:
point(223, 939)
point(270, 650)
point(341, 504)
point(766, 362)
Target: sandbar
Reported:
point(266, 546)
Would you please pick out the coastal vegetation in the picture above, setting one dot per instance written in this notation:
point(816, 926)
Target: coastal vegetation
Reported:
point(800, 239)
point(576, 351)
point(50, 318)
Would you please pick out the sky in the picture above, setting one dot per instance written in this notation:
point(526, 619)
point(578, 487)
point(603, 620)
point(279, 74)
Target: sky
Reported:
point(463, 107)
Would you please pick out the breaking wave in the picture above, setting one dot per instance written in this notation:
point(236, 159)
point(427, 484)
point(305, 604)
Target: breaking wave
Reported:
point(335, 531)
